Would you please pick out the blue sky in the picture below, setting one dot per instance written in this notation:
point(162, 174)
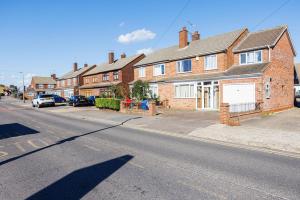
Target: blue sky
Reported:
point(40, 37)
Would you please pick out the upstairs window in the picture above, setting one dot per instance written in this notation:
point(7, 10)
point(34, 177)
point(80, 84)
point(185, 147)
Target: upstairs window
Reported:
point(251, 57)
point(184, 66)
point(95, 79)
point(86, 80)
point(50, 86)
point(116, 75)
point(142, 72)
point(40, 86)
point(105, 77)
point(69, 81)
point(75, 81)
point(210, 62)
point(159, 70)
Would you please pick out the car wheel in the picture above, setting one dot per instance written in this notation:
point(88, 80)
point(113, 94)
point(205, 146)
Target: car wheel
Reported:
point(38, 105)
point(33, 105)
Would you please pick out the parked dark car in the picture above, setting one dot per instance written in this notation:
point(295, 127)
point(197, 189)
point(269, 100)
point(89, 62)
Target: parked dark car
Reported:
point(297, 100)
point(59, 99)
point(92, 100)
point(78, 100)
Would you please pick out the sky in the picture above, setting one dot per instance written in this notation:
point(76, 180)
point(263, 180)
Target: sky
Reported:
point(41, 37)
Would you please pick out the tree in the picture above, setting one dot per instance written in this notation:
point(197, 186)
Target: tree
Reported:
point(119, 91)
point(140, 90)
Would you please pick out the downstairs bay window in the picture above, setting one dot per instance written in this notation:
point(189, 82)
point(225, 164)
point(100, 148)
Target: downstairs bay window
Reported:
point(185, 90)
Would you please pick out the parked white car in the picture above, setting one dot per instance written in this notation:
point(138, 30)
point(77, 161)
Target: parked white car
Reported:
point(43, 100)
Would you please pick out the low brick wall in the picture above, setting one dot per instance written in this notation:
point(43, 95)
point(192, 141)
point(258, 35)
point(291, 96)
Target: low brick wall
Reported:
point(124, 108)
point(233, 119)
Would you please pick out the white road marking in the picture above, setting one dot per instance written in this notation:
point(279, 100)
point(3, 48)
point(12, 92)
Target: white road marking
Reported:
point(32, 144)
point(18, 145)
point(43, 141)
point(92, 148)
point(2, 154)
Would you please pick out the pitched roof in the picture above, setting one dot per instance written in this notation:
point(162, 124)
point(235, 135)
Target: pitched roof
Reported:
point(237, 71)
point(118, 64)
point(260, 39)
point(43, 80)
point(72, 74)
point(200, 47)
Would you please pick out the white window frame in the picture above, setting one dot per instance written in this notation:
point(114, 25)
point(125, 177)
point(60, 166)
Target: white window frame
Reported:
point(179, 66)
point(206, 67)
point(142, 72)
point(75, 81)
point(40, 86)
point(50, 86)
point(152, 92)
point(254, 57)
point(69, 82)
point(105, 77)
point(159, 66)
point(116, 75)
point(191, 91)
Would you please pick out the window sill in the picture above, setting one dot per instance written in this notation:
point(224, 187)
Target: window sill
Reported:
point(184, 97)
point(210, 69)
point(184, 72)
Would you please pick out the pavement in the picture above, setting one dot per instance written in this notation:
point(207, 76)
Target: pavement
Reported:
point(49, 156)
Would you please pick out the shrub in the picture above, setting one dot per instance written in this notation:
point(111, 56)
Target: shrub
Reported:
point(108, 103)
point(140, 90)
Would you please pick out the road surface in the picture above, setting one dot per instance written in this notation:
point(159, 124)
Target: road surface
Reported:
point(45, 156)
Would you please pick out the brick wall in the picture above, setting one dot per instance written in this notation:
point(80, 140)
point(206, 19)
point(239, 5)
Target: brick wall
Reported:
point(281, 71)
point(166, 92)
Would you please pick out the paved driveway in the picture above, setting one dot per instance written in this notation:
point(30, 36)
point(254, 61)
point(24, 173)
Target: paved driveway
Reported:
point(286, 120)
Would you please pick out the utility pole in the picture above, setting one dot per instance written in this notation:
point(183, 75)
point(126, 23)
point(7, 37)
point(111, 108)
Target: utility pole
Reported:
point(23, 87)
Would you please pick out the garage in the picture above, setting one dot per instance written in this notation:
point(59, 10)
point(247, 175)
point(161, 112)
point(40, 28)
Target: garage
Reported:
point(241, 97)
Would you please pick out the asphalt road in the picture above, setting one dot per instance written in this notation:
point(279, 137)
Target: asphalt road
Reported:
point(44, 156)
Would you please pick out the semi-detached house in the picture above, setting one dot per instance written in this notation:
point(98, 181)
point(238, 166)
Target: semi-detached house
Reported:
point(238, 68)
point(114, 72)
point(41, 85)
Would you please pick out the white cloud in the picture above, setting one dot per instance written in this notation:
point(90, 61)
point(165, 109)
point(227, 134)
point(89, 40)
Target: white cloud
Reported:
point(122, 24)
point(145, 51)
point(136, 36)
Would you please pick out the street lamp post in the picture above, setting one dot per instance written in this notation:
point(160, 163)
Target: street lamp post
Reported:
point(23, 87)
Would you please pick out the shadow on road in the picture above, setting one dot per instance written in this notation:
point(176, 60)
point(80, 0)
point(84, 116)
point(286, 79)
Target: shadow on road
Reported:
point(63, 141)
point(78, 183)
point(14, 130)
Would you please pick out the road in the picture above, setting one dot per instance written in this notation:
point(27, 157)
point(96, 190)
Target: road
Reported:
point(45, 156)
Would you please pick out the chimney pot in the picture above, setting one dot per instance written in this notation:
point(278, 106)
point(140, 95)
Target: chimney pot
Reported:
point(123, 55)
point(111, 58)
point(85, 65)
point(75, 67)
point(183, 38)
point(195, 36)
point(53, 76)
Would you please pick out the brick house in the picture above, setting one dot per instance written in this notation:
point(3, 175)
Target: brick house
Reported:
point(68, 84)
point(105, 75)
point(238, 68)
point(41, 85)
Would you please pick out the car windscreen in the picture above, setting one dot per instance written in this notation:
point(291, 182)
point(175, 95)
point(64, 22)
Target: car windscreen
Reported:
point(46, 96)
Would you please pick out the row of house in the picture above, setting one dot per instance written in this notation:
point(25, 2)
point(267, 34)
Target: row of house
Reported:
point(197, 73)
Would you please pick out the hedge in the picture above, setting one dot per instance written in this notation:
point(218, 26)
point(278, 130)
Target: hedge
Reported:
point(108, 103)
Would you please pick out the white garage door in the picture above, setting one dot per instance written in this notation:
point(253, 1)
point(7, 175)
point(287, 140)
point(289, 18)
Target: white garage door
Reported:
point(240, 95)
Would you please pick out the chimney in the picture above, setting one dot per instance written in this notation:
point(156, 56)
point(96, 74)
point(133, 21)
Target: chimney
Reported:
point(195, 36)
point(53, 76)
point(111, 58)
point(85, 65)
point(75, 67)
point(123, 55)
point(183, 38)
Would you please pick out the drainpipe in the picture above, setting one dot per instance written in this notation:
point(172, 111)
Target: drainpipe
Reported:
point(269, 53)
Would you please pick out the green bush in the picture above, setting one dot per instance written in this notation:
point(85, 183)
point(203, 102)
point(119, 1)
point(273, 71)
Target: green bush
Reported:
point(108, 103)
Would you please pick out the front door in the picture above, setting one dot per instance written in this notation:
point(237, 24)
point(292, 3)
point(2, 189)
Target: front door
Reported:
point(207, 97)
